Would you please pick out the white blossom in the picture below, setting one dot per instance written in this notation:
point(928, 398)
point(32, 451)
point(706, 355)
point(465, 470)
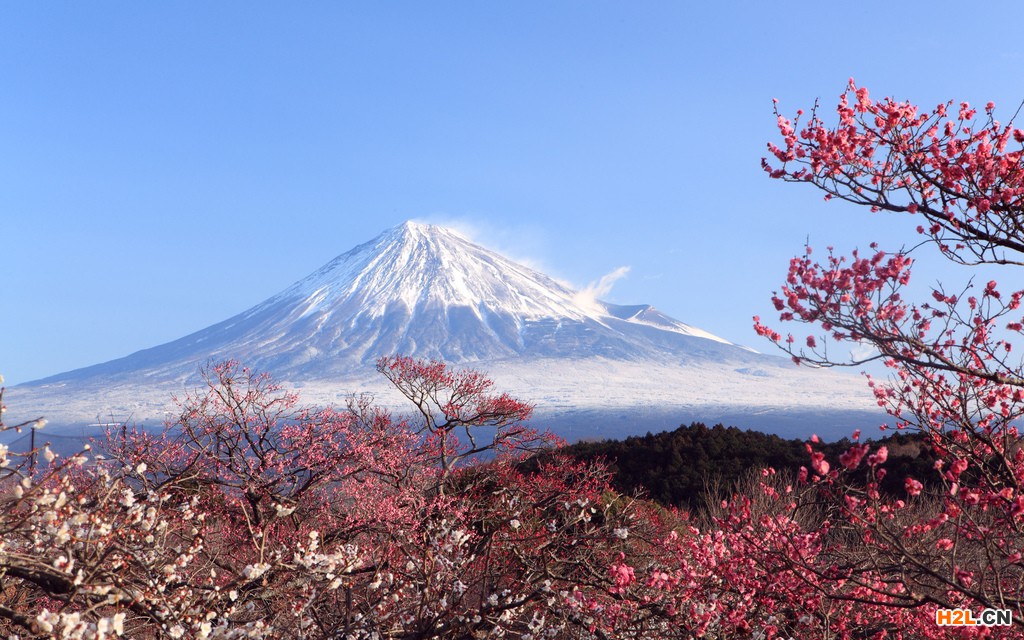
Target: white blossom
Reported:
point(253, 571)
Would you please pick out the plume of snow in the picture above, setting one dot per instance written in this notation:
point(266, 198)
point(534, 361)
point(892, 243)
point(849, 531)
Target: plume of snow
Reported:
point(518, 242)
point(863, 350)
point(588, 296)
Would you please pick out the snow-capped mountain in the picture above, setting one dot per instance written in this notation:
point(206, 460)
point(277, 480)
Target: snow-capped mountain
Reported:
point(427, 291)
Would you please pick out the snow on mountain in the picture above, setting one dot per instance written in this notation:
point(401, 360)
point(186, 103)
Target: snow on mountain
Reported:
point(427, 291)
point(421, 290)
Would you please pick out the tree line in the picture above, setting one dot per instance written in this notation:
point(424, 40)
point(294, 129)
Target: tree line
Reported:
point(695, 464)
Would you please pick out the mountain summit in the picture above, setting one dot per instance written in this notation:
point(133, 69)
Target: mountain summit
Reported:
point(427, 291)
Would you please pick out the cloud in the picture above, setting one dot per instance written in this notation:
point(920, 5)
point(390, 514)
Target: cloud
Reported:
point(589, 295)
point(863, 350)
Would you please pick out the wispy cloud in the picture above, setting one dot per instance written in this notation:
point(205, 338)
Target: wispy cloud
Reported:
point(589, 295)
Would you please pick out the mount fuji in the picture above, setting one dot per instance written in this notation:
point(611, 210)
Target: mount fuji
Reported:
point(593, 369)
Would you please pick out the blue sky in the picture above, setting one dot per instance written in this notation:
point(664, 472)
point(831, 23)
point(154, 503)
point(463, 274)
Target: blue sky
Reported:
point(166, 165)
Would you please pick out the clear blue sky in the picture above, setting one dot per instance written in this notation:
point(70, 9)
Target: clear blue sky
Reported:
point(166, 165)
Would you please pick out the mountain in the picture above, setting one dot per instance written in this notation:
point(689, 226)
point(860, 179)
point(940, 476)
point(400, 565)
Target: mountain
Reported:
point(421, 290)
point(427, 291)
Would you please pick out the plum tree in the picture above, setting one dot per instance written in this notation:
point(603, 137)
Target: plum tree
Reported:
point(957, 539)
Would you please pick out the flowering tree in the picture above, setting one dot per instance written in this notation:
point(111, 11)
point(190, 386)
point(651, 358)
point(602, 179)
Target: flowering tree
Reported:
point(85, 552)
point(251, 516)
point(957, 538)
point(459, 418)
